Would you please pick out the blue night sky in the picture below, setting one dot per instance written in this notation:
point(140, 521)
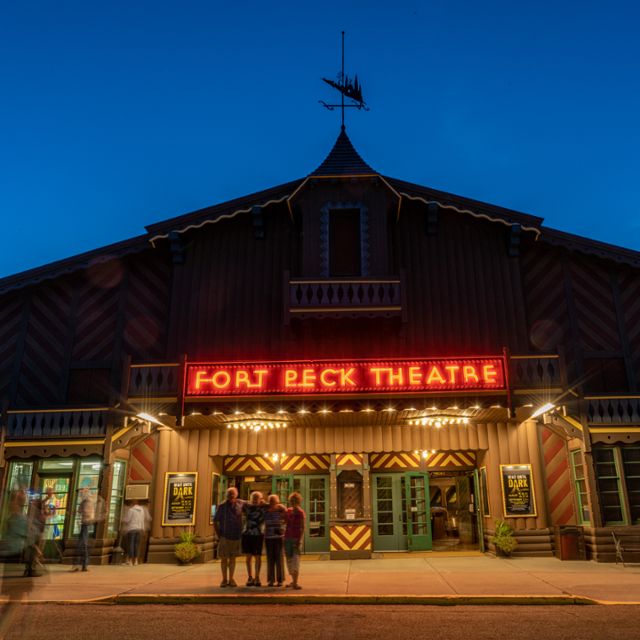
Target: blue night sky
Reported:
point(116, 115)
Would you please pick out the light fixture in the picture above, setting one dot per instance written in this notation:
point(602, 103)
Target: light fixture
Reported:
point(275, 456)
point(149, 418)
point(257, 425)
point(548, 406)
point(439, 421)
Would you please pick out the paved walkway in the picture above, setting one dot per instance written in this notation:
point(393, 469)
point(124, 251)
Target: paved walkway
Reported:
point(402, 578)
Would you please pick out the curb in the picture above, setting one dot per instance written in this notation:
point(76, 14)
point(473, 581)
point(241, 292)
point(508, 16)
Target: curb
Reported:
point(443, 600)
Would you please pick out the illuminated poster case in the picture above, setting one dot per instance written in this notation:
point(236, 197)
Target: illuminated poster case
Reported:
point(179, 498)
point(518, 496)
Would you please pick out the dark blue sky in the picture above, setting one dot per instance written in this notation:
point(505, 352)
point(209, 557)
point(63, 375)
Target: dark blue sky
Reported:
point(116, 115)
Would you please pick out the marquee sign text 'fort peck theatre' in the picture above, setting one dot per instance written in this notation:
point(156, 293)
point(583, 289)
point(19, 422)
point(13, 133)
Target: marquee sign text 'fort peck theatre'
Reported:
point(416, 364)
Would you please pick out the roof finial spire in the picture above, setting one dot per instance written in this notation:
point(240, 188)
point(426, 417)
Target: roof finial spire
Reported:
point(348, 88)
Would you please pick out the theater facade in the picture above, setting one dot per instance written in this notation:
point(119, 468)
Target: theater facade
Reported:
point(417, 364)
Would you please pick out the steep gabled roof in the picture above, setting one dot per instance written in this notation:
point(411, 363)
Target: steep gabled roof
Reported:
point(343, 160)
point(220, 211)
point(475, 208)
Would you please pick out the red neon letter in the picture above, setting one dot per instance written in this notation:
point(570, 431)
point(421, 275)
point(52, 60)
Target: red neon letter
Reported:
point(415, 376)
point(452, 369)
point(221, 379)
point(489, 373)
point(290, 376)
point(469, 372)
point(345, 377)
point(324, 380)
point(435, 376)
point(308, 378)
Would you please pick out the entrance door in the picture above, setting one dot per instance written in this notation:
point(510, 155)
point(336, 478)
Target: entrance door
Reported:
point(418, 521)
point(400, 512)
point(314, 490)
point(56, 518)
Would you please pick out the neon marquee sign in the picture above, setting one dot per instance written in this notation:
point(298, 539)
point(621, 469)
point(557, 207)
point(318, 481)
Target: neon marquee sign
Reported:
point(337, 377)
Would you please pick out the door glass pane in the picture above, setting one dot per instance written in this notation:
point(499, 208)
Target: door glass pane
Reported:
point(282, 489)
point(403, 493)
point(418, 506)
point(316, 506)
point(115, 500)
point(631, 461)
point(608, 485)
point(54, 491)
point(384, 505)
point(88, 477)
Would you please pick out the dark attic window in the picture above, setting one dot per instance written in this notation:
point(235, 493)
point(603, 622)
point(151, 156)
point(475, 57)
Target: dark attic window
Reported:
point(345, 251)
point(605, 375)
point(88, 386)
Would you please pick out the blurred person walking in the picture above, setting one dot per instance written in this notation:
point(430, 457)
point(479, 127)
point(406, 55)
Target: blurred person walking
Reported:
point(135, 522)
point(86, 514)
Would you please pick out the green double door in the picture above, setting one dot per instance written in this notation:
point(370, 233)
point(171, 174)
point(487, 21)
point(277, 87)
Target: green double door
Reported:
point(401, 514)
point(314, 490)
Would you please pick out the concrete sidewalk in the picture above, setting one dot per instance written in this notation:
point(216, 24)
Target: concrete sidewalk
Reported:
point(424, 578)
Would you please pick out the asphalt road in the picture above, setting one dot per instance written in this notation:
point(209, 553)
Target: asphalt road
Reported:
point(319, 622)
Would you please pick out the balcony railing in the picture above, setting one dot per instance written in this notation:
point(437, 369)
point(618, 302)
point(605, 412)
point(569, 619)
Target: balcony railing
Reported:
point(340, 297)
point(535, 372)
point(613, 410)
point(154, 380)
point(81, 423)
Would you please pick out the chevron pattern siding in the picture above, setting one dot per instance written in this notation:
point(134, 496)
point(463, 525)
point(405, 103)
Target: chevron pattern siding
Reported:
point(305, 463)
point(10, 318)
point(558, 478)
point(393, 461)
point(147, 308)
point(629, 284)
point(247, 464)
point(350, 538)
point(547, 313)
point(349, 459)
point(452, 460)
point(142, 459)
point(43, 362)
point(594, 305)
point(97, 312)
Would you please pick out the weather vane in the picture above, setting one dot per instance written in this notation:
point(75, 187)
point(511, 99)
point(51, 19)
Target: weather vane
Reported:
point(348, 88)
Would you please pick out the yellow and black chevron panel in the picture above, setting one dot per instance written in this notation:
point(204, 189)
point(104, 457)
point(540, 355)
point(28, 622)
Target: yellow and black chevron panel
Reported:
point(247, 464)
point(349, 459)
point(305, 463)
point(452, 460)
point(347, 537)
point(394, 461)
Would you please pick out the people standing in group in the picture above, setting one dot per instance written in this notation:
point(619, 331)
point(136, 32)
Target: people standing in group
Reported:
point(228, 527)
point(135, 522)
point(274, 523)
point(295, 519)
point(253, 536)
point(86, 514)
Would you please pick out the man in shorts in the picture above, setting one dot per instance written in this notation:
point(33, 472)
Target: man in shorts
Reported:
point(228, 527)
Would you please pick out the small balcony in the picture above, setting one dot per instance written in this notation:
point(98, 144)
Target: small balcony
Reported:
point(344, 297)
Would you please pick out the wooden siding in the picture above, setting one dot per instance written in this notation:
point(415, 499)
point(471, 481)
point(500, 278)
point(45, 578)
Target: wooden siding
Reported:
point(42, 370)
point(11, 314)
point(147, 307)
point(464, 295)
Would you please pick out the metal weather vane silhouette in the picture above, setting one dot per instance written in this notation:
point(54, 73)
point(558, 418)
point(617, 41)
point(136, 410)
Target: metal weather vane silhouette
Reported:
point(348, 88)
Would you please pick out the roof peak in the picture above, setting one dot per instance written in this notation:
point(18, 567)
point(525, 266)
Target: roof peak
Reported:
point(343, 160)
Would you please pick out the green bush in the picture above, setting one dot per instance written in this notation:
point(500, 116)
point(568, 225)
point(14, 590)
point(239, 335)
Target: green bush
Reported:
point(187, 550)
point(503, 538)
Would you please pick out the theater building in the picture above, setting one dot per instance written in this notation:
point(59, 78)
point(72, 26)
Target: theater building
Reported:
point(417, 364)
